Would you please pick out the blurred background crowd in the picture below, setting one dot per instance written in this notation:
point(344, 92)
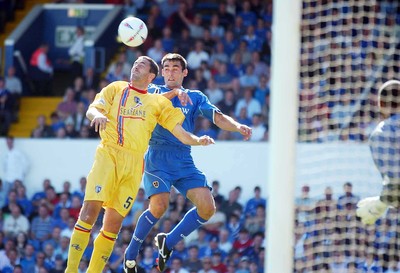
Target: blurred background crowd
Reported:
point(348, 48)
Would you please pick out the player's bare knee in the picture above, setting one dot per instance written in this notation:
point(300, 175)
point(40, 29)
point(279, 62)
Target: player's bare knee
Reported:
point(206, 211)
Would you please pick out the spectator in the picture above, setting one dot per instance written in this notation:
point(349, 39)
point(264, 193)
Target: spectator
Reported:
point(249, 79)
point(77, 53)
point(15, 163)
point(243, 118)
point(228, 104)
point(248, 16)
point(214, 94)
point(218, 53)
point(184, 42)
point(68, 106)
point(59, 264)
point(243, 52)
point(148, 260)
point(224, 242)
point(200, 80)
point(222, 78)
point(167, 41)
point(196, 56)
point(254, 43)
point(42, 225)
point(124, 68)
point(14, 86)
point(69, 129)
point(22, 199)
point(39, 195)
point(207, 266)
point(62, 249)
point(79, 88)
point(259, 130)
point(236, 67)
point(176, 19)
point(347, 197)
point(168, 7)
point(231, 205)
point(56, 122)
point(195, 27)
point(27, 260)
point(254, 202)
point(90, 79)
point(304, 205)
point(256, 223)
point(117, 74)
point(243, 242)
point(41, 70)
point(156, 52)
point(42, 130)
point(192, 263)
point(225, 18)
point(82, 186)
point(217, 31)
point(217, 263)
point(211, 248)
point(230, 43)
point(3, 194)
point(17, 222)
point(55, 237)
point(6, 109)
point(176, 266)
point(262, 90)
point(252, 105)
point(215, 192)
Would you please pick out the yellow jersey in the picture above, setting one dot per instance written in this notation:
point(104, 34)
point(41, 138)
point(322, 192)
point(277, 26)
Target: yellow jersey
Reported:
point(133, 115)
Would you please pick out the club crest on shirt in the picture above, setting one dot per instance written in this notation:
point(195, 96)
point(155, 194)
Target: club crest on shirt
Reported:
point(137, 101)
point(97, 189)
point(156, 184)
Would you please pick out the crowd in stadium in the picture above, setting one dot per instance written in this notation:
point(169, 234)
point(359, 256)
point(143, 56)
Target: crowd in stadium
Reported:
point(226, 44)
point(35, 232)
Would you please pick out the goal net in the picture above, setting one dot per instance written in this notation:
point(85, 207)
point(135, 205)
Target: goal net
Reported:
point(348, 49)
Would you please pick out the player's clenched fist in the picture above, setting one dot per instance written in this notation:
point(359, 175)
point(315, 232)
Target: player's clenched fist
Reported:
point(205, 140)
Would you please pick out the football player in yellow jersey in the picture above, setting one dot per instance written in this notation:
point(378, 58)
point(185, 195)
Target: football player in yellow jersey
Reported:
point(125, 115)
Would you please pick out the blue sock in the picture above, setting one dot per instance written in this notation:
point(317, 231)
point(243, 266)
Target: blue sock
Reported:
point(144, 224)
point(187, 225)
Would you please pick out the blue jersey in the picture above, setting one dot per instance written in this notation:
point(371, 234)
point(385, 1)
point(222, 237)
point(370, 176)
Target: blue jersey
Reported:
point(385, 148)
point(201, 106)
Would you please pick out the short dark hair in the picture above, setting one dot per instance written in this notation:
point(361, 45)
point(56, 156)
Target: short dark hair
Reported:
point(153, 66)
point(174, 57)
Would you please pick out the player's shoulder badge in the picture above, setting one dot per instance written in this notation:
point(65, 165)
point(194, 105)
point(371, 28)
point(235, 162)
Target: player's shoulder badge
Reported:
point(156, 184)
point(98, 189)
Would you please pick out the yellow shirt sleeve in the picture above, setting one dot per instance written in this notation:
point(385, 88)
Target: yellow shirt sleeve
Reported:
point(104, 100)
point(169, 116)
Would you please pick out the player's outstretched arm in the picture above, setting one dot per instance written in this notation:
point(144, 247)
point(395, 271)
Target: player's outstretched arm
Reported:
point(189, 138)
point(97, 118)
point(229, 124)
point(182, 96)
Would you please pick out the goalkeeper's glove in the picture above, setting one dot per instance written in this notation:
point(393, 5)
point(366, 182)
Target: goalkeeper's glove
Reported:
point(370, 209)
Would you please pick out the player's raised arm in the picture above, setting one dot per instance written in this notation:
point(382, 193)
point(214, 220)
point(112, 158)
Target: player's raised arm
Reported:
point(189, 138)
point(229, 124)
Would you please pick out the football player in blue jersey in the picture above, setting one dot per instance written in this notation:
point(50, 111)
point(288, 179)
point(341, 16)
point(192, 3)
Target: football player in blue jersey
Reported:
point(385, 149)
point(169, 163)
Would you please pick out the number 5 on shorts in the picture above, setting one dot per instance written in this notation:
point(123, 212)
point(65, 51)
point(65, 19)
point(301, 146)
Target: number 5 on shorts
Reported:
point(128, 202)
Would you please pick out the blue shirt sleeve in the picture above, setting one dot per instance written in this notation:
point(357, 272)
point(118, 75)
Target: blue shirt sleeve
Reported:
point(204, 107)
